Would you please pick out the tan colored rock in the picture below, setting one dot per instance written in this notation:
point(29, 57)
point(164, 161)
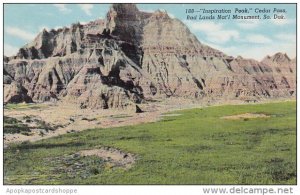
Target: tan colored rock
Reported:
point(133, 56)
point(15, 93)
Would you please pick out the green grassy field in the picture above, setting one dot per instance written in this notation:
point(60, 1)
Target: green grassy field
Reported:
point(196, 147)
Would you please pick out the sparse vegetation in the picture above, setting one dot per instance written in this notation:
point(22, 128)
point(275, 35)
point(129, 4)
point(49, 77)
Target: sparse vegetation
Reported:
point(41, 133)
point(195, 147)
point(12, 126)
point(22, 106)
point(43, 125)
point(88, 119)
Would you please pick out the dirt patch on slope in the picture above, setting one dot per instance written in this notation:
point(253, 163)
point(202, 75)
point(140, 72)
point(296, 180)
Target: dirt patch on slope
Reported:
point(245, 116)
point(112, 155)
point(66, 117)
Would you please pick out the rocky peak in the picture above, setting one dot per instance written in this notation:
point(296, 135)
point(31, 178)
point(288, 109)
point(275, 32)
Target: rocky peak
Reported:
point(278, 58)
point(125, 21)
point(132, 56)
point(124, 9)
point(160, 14)
point(37, 42)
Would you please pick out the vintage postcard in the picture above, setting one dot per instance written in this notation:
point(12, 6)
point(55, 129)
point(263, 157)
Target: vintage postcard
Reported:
point(169, 93)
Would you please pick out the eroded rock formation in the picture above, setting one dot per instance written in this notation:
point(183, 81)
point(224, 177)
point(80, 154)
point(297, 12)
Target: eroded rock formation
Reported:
point(133, 56)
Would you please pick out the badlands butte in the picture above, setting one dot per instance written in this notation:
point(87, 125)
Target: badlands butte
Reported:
point(133, 57)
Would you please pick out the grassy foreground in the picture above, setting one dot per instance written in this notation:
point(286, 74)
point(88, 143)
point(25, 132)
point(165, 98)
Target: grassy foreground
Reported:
point(196, 147)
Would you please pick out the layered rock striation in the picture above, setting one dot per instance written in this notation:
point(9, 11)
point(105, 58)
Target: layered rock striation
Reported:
point(134, 56)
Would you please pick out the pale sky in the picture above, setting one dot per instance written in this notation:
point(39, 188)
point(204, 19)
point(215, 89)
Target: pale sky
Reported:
point(250, 38)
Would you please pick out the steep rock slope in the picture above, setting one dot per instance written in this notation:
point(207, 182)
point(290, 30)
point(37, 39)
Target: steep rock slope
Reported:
point(133, 56)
